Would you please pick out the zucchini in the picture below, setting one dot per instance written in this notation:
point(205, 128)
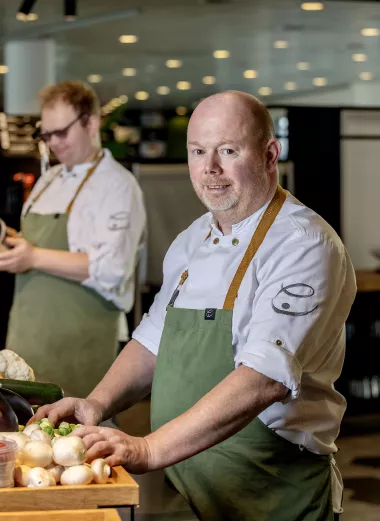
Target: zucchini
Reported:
point(36, 393)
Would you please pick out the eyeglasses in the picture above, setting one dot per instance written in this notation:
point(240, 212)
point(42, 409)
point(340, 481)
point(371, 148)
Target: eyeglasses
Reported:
point(60, 133)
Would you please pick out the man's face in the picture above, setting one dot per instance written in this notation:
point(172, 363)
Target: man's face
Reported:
point(227, 166)
point(74, 147)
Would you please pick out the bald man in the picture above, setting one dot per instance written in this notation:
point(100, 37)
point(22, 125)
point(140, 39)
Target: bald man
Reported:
point(243, 343)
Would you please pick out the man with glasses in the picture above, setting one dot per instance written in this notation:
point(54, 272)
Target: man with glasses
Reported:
point(75, 259)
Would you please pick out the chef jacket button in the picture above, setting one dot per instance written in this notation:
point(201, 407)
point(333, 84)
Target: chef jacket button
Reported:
point(279, 342)
point(216, 240)
point(235, 241)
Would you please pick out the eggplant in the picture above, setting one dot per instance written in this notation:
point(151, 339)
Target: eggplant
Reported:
point(8, 418)
point(21, 407)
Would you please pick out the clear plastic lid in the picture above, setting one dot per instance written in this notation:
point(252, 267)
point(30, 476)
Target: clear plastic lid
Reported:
point(8, 449)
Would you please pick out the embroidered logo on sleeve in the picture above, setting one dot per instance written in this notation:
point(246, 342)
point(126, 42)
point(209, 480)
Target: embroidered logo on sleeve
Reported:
point(295, 300)
point(118, 221)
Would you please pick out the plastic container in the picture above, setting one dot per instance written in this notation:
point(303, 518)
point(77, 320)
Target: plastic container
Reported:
point(8, 449)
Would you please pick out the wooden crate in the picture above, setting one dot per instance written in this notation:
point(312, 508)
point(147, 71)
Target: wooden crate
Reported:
point(63, 515)
point(120, 490)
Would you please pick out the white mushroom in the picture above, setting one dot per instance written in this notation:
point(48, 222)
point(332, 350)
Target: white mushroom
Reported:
point(39, 435)
point(56, 471)
point(30, 428)
point(77, 475)
point(21, 475)
point(37, 454)
point(69, 451)
point(39, 477)
point(101, 471)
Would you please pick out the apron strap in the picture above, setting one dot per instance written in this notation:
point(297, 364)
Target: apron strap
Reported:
point(265, 223)
point(89, 173)
point(85, 179)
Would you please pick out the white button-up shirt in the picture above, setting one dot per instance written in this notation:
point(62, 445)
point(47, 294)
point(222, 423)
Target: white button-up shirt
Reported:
point(289, 315)
point(107, 221)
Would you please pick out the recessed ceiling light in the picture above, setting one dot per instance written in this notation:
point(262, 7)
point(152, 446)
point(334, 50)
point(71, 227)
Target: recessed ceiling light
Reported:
point(220, 54)
point(303, 66)
point(141, 95)
point(280, 44)
point(173, 64)
point(129, 71)
point(320, 82)
point(181, 111)
point(290, 85)
point(94, 78)
point(3, 69)
point(366, 76)
point(312, 6)
point(163, 90)
point(359, 57)
point(128, 38)
point(250, 74)
point(370, 31)
point(209, 80)
point(183, 85)
point(265, 91)
point(123, 98)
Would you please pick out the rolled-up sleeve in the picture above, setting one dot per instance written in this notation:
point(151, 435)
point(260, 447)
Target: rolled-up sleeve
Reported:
point(294, 309)
point(116, 234)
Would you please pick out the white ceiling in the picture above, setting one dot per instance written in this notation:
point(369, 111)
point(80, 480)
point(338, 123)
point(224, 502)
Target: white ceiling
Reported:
point(190, 30)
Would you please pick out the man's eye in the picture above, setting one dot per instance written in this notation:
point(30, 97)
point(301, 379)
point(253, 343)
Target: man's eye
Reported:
point(197, 152)
point(228, 151)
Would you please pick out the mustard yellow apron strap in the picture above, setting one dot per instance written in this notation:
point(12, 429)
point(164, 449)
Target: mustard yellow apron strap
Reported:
point(265, 223)
point(85, 179)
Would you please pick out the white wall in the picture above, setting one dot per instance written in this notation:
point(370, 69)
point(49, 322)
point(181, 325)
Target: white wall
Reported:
point(360, 178)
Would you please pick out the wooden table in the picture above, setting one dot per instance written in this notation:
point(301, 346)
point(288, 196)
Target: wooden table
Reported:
point(367, 281)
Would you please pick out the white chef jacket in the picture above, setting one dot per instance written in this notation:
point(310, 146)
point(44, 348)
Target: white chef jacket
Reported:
point(289, 315)
point(107, 221)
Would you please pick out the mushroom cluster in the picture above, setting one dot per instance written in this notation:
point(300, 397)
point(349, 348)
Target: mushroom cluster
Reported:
point(47, 457)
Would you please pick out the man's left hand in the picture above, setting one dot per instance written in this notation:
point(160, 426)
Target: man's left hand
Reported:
point(116, 447)
point(19, 258)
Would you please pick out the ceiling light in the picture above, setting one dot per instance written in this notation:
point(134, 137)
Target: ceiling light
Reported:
point(123, 98)
point(320, 82)
point(219, 54)
point(181, 111)
point(265, 91)
point(359, 57)
point(303, 66)
point(370, 31)
point(183, 85)
point(366, 76)
point(312, 6)
point(3, 69)
point(163, 90)
point(209, 80)
point(128, 38)
point(290, 85)
point(129, 71)
point(280, 44)
point(94, 78)
point(141, 95)
point(250, 74)
point(173, 64)
point(70, 10)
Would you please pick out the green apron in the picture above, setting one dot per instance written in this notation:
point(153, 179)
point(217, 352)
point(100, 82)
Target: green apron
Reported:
point(255, 475)
point(66, 332)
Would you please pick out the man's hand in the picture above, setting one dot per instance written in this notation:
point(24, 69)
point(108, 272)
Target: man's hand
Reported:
point(116, 447)
point(19, 258)
point(74, 410)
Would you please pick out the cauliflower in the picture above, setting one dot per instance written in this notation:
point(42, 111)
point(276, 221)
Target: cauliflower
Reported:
point(14, 367)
